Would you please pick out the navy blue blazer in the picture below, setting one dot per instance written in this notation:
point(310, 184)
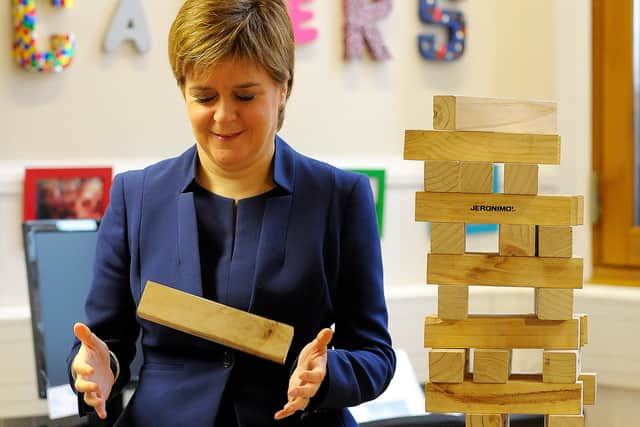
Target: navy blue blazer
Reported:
point(318, 264)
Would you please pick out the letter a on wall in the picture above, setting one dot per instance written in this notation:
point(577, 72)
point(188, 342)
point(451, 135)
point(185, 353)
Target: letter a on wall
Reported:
point(360, 20)
point(129, 23)
point(25, 50)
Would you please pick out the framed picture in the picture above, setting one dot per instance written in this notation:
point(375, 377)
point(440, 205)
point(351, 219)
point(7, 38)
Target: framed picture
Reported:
point(67, 193)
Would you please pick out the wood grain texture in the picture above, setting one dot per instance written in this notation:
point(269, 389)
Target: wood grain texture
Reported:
point(522, 394)
point(584, 329)
point(496, 208)
point(476, 177)
point(564, 421)
point(517, 240)
point(590, 387)
point(501, 331)
point(481, 147)
point(487, 420)
point(447, 237)
point(520, 179)
point(559, 367)
point(216, 322)
point(554, 304)
point(494, 114)
point(447, 365)
point(495, 270)
point(453, 302)
point(555, 241)
point(491, 366)
point(441, 176)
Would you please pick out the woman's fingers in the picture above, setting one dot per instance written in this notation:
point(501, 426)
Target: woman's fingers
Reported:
point(94, 400)
point(307, 391)
point(83, 368)
point(85, 386)
point(84, 334)
point(323, 338)
point(297, 404)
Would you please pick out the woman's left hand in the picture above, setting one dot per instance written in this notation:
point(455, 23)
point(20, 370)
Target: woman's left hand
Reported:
point(308, 375)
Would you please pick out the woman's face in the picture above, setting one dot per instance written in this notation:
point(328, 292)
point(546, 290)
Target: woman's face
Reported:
point(233, 109)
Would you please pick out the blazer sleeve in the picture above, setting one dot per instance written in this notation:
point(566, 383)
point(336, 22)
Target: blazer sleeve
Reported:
point(362, 361)
point(110, 309)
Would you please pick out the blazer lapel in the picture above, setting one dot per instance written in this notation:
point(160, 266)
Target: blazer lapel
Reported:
point(189, 273)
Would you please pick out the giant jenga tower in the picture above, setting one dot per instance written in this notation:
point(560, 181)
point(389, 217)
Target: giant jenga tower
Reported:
point(535, 251)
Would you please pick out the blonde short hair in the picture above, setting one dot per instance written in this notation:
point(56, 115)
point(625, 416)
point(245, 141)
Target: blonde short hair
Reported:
point(207, 31)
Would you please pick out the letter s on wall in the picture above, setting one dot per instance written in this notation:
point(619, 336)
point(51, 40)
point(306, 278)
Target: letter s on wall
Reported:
point(24, 41)
point(453, 21)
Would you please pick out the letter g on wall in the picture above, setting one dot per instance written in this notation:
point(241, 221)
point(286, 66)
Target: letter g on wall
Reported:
point(25, 50)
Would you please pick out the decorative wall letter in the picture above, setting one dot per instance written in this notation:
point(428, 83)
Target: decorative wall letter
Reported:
point(298, 17)
point(453, 20)
point(360, 20)
point(129, 23)
point(24, 40)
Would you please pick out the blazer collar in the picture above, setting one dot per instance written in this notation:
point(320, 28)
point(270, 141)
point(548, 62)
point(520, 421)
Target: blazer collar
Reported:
point(283, 166)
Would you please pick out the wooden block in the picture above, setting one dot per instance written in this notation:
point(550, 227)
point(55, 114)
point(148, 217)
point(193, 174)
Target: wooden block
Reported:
point(564, 421)
point(584, 329)
point(491, 366)
point(453, 302)
point(494, 270)
point(501, 331)
point(589, 387)
point(522, 394)
point(447, 365)
point(520, 179)
point(487, 420)
point(216, 322)
point(474, 146)
point(447, 238)
point(554, 304)
point(441, 176)
point(555, 241)
point(497, 208)
point(517, 240)
point(476, 177)
point(559, 367)
point(493, 114)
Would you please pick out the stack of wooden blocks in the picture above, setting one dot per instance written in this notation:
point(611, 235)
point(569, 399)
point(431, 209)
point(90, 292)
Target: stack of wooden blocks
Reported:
point(535, 251)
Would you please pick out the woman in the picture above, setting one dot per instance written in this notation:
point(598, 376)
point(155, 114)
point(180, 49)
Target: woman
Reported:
point(242, 219)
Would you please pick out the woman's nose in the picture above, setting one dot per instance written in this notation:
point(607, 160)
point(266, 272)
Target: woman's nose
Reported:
point(225, 111)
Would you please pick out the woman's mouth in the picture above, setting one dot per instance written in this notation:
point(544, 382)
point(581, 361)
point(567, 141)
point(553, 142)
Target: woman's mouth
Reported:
point(226, 136)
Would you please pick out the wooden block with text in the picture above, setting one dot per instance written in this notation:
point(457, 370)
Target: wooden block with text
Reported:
point(487, 420)
point(453, 302)
point(447, 365)
point(447, 237)
point(559, 367)
point(554, 304)
point(491, 366)
point(590, 387)
point(476, 177)
point(555, 241)
point(564, 421)
point(494, 114)
point(216, 322)
point(517, 240)
point(441, 176)
point(520, 179)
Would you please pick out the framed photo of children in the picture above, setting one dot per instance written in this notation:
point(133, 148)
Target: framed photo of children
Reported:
point(66, 193)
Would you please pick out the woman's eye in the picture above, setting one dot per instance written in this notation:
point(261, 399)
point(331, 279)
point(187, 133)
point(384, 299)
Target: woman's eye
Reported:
point(204, 100)
point(245, 98)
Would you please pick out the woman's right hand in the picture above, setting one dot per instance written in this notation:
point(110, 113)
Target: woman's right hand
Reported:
point(91, 369)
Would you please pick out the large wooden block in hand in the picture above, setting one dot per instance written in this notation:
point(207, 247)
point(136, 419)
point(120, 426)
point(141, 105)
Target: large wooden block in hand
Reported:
point(555, 241)
point(491, 366)
point(497, 208)
point(522, 394)
point(554, 304)
point(487, 420)
point(520, 179)
point(441, 176)
point(447, 238)
point(559, 367)
point(492, 114)
point(589, 386)
point(564, 421)
point(453, 302)
point(216, 322)
point(481, 147)
point(517, 240)
point(476, 177)
point(447, 365)
point(495, 270)
point(501, 331)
